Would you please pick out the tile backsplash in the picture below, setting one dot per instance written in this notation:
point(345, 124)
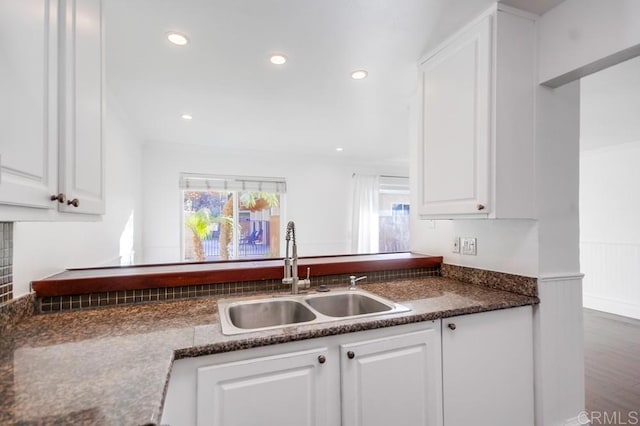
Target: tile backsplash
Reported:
point(6, 262)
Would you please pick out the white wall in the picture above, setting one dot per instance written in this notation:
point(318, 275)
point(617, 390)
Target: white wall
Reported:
point(609, 228)
point(609, 189)
point(318, 199)
point(610, 194)
point(609, 106)
point(509, 246)
point(558, 326)
point(45, 248)
point(557, 174)
point(579, 37)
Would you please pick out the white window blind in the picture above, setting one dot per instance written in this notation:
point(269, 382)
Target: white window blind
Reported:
point(202, 182)
point(394, 185)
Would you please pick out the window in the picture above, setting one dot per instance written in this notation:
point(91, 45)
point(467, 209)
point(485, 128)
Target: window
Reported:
point(393, 214)
point(230, 217)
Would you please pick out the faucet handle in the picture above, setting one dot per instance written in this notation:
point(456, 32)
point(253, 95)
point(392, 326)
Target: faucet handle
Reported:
point(306, 283)
point(353, 280)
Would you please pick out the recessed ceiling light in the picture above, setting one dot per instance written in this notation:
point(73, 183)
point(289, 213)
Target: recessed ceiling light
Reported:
point(278, 59)
point(177, 38)
point(359, 74)
point(339, 149)
point(186, 117)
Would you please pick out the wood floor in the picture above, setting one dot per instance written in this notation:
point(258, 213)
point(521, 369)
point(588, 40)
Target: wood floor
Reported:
point(612, 368)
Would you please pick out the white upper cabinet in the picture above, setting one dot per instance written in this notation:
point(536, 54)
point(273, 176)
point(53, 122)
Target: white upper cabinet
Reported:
point(476, 126)
point(28, 103)
point(51, 80)
point(81, 132)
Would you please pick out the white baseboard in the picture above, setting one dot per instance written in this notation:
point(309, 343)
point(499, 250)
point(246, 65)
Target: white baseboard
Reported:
point(612, 306)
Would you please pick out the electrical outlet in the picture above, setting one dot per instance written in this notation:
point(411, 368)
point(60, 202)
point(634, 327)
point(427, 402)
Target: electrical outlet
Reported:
point(455, 248)
point(469, 246)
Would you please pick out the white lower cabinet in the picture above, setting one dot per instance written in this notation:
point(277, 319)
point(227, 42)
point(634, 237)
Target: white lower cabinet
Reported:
point(394, 378)
point(476, 370)
point(287, 389)
point(487, 368)
point(392, 381)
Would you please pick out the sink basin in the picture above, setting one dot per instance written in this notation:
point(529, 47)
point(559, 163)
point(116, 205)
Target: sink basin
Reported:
point(347, 304)
point(268, 314)
point(247, 316)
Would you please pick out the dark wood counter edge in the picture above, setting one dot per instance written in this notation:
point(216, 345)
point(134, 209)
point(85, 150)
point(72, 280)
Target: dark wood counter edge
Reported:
point(61, 285)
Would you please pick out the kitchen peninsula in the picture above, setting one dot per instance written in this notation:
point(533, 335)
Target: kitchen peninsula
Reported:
point(111, 365)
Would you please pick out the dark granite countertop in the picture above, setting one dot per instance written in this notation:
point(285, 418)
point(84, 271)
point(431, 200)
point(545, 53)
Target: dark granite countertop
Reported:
point(110, 366)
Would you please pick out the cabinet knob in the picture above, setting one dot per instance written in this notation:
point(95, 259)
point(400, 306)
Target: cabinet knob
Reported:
point(322, 359)
point(480, 206)
point(451, 325)
point(60, 197)
point(351, 355)
point(75, 202)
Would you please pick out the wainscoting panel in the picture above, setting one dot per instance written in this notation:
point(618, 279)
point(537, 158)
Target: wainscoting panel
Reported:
point(558, 343)
point(611, 277)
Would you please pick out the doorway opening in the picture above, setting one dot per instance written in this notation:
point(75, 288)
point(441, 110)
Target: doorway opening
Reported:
point(610, 240)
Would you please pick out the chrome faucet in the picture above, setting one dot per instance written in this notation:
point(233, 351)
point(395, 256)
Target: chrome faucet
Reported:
point(353, 280)
point(291, 263)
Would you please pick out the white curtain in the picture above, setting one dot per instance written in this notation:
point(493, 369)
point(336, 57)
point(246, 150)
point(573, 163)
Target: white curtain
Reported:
point(365, 214)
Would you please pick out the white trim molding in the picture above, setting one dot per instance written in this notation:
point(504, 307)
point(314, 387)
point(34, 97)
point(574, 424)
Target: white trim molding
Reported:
point(560, 277)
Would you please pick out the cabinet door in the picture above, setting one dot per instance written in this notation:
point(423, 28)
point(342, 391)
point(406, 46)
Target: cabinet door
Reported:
point(392, 381)
point(28, 84)
point(283, 390)
point(455, 130)
point(82, 154)
point(487, 368)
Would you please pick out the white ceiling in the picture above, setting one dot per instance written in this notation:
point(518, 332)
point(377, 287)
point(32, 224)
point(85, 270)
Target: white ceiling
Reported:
point(239, 100)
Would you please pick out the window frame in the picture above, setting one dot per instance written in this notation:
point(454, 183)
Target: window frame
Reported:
point(282, 184)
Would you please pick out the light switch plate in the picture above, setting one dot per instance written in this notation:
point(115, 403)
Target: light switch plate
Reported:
point(469, 246)
point(455, 248)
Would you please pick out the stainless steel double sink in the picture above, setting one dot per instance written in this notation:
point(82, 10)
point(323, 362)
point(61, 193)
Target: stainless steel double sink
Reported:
point(246, 316)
